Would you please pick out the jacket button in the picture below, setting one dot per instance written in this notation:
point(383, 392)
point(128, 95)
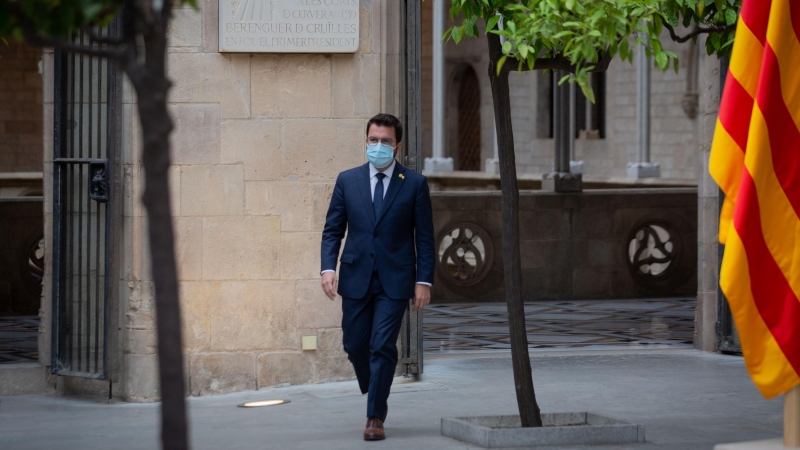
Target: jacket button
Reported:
point(372, 255)
point(375, 234)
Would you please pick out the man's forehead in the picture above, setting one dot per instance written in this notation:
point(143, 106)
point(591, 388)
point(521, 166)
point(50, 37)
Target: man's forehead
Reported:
point(376, 129)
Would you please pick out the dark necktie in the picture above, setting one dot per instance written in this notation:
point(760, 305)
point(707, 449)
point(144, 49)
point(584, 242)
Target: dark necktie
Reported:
point(377, 199)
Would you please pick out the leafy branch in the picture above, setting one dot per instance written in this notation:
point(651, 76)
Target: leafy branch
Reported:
point(580, 37)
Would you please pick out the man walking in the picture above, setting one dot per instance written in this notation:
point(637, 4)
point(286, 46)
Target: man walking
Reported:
point(388, 258)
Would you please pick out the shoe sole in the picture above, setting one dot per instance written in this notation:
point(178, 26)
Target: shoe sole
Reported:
point(374, 438)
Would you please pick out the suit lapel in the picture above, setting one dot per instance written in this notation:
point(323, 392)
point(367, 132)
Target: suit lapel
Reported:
point(394, 187)
point(365, 189)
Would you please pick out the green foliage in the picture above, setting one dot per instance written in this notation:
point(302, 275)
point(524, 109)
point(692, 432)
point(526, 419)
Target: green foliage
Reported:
point(55, 18)
point(705, 13)
point(586, 31)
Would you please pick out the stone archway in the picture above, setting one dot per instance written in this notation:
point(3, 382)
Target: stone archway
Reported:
point(464, 118)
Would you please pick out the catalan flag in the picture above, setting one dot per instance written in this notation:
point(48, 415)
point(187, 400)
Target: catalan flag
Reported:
point(755, 159)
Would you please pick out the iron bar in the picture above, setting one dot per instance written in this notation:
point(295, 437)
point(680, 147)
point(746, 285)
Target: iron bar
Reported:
point(59, 185)
point(90, 148)
point(70, 205)
point(79, 293)
point(97, 264)
point(77, 160)
point(112, 96)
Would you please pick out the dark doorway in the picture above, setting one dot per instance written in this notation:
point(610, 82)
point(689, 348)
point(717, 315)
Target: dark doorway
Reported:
point(469, 121)
point(21, 209)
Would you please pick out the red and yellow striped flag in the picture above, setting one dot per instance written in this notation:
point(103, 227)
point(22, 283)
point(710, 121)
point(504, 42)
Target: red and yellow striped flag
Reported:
point(755, 159)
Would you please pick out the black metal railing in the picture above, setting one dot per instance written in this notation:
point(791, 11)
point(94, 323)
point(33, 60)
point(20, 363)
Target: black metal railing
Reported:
point(86, 108)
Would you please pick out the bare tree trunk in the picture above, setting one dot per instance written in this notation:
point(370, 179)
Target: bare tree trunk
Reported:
point(523, 380)
point(152, 86)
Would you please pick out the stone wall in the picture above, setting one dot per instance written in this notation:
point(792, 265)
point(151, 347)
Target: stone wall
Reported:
point(20, 108)
point(258, 143)
point(573, 246)
point(673, 133)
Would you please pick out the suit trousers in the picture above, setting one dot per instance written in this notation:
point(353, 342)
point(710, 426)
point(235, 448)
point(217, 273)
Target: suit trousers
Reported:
point(370, 327)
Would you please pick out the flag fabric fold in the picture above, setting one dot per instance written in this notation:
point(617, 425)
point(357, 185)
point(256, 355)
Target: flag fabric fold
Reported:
point(755, 159)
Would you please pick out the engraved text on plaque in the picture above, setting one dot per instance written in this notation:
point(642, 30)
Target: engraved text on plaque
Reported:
point(288, 26)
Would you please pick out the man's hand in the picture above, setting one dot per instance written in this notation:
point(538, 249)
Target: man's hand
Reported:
point(329, 284)
point(422, 296)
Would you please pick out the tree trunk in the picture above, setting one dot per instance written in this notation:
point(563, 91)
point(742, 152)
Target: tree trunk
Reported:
point(523, 380)
point(152, 86)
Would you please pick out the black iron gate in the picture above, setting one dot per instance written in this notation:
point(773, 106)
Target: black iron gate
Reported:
point(411, 335)
point(87, 103)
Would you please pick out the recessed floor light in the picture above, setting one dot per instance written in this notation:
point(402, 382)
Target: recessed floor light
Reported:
point(260, 403)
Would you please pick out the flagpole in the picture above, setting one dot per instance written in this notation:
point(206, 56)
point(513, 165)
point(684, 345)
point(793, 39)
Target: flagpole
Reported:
point(791, 418)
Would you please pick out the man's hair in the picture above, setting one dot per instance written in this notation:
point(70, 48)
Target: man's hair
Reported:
point(387, 120)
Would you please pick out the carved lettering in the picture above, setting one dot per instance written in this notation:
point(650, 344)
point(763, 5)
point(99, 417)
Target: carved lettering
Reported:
point(285, 26)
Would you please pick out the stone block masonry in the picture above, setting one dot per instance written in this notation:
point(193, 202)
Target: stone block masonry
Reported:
point(21, 136)
point(258, 142)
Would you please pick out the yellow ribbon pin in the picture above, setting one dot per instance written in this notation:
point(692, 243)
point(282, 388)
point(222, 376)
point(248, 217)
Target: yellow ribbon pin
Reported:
point(402, 177)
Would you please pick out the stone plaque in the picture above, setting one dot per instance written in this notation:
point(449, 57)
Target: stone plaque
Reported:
point(288, 26)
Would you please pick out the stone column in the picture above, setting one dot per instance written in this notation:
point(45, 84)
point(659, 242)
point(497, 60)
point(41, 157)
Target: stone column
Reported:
point(643, 168)
point(493, 163)
point(574, 166)
point(708, 206)
point(561, 179)
point(438, 163)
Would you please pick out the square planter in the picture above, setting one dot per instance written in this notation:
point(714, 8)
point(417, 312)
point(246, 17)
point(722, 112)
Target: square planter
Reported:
point(580, 428)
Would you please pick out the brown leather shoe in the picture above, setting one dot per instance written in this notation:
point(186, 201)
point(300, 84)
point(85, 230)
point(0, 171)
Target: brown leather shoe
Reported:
point(374, 430)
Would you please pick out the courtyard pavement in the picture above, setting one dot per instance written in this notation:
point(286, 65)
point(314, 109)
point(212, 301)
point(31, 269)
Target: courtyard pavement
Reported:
point(687, 400)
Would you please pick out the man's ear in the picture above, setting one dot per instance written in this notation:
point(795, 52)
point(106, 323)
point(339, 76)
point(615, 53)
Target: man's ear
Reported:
point(398, 149)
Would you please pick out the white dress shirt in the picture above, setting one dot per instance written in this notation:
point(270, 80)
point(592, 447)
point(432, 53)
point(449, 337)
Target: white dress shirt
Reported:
point(373, 181)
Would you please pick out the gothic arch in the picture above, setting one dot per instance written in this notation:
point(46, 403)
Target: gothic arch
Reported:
point(463, 123)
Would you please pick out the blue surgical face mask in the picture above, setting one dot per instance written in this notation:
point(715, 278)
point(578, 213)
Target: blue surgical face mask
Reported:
point(380, 155)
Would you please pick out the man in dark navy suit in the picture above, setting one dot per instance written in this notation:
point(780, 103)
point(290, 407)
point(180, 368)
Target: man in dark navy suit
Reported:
point(388, 258)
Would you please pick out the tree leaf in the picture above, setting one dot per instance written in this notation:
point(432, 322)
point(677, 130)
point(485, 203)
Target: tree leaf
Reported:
point(662, 60)
point(468, 31)
point(730, 17)
point(500, 63)
point(588, 92)
point(456, 33)
point(491, 22)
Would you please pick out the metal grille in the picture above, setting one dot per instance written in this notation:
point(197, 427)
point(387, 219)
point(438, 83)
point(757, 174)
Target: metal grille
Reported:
point(469, 122)
point(85, 97)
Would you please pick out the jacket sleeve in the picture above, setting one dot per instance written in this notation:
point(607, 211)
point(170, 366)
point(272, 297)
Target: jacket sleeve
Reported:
point(423, 224)
point(335, 227)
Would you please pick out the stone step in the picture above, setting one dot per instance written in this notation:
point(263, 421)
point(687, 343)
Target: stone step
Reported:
point(24, 379)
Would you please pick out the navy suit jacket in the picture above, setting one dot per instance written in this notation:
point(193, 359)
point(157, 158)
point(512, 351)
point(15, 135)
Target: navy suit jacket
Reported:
point(398, 244)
